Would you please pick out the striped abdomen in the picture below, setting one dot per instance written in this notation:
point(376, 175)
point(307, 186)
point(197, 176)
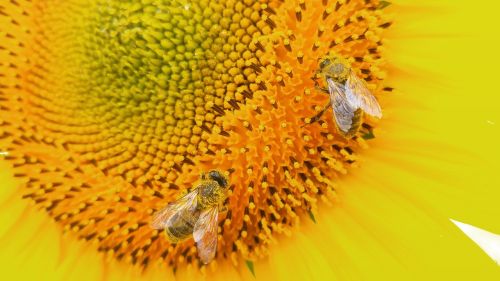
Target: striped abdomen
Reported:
point(356, 123)
point(180, 226)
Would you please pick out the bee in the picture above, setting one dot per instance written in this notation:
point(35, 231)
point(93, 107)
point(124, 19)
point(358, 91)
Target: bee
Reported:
point(196, 214)
point(349, 96)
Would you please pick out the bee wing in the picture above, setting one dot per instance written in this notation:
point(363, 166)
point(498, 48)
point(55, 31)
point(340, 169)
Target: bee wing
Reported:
point(343, 109)
point(161, 217)
point(357, 93)
point(205, 234)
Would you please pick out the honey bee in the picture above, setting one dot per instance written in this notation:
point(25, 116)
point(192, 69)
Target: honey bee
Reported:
point(349, 96)
point(196, 214)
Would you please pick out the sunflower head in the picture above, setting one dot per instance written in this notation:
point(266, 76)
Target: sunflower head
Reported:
point(117, 107)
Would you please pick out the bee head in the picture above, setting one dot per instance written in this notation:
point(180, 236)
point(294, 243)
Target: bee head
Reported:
point(219, 177)
point(324, 63)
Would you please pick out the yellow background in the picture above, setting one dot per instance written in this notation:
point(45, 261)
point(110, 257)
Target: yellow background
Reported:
point(436, 157)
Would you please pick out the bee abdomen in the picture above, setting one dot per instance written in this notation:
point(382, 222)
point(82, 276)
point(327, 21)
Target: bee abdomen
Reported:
point(180, 226)
point(177, 234)
point(356, 123)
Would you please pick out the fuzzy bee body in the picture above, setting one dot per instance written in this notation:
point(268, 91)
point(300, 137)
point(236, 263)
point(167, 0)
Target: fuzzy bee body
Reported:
point(349, 97)
point(195, 214)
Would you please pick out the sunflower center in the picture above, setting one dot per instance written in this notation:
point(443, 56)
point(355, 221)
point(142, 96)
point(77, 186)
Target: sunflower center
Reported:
point(154, 78)
point(116, 107)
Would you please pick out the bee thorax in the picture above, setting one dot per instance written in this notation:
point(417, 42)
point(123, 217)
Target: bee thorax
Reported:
point(210, 194)
point(337, 68)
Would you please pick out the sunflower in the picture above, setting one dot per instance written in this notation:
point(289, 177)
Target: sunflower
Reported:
point(111, 109)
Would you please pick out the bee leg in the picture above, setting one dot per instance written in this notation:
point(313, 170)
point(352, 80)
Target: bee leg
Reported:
point(223, 209)
point(324, 90)
point(316, 117)
point(315, 79)
point(202, 175)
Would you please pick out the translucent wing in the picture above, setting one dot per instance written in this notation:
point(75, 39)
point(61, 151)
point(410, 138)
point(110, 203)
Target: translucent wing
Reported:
point(361, 97)
point(205, 234)
point(161, 217)
point(343, 109)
